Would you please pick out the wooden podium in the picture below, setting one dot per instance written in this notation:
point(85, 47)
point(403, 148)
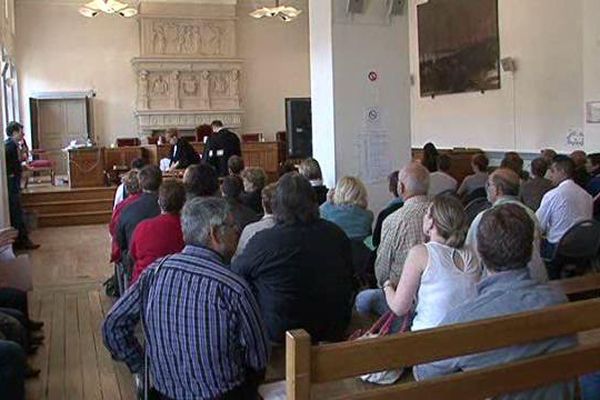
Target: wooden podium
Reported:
point(86, 167)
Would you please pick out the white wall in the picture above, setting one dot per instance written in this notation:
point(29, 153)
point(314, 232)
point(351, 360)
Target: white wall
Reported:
point(546, 38)
point(358, 45)
point(591, 67)
point(58, 50)
point(276, 66)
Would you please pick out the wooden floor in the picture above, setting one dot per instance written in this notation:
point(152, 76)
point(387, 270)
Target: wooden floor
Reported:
point(68, 296)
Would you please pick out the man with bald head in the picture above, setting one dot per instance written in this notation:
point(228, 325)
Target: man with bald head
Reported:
point(401, 230)
point(503, 188)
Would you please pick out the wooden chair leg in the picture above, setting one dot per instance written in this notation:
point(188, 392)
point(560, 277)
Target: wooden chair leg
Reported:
point(52, 178)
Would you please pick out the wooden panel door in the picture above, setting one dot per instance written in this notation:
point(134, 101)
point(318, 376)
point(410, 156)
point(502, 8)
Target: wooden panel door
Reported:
point(59, 122)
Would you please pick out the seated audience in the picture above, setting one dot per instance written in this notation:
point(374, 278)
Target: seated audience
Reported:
point(535, 188)
point(13, 363)
point(563, 206)
point(442, 273)
point(204, 333)
point(254, 179)
point(512, 160)
point(300, 269)
point(479, 164)
point(504, 241)
point(593, 167)
point(503, 188)
point(403, 229)
point(288, 166)
point(430, 156)
point(347, 208)
point(235, 164)
point(548, 155)
point(146, 246)
point(267, 221)
point(122, 193)
point(182, 154)
point(145, 207)
point(131, 184)
point(391, 207)
point(441, 181)
point(311, 170)
point(200, 181)
point(231, 189)
point(581, 175)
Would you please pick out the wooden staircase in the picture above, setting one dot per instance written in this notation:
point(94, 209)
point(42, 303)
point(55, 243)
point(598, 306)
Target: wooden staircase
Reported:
point(70, 206)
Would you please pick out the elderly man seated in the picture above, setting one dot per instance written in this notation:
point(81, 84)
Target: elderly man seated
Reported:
point(203, 329)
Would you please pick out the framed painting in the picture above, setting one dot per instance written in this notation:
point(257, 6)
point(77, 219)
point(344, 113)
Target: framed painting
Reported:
point(459, 47)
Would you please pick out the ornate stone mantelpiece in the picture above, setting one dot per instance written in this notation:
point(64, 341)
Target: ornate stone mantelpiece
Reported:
point(188, 74)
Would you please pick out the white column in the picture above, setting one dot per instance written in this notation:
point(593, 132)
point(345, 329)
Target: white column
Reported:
point(344, 49)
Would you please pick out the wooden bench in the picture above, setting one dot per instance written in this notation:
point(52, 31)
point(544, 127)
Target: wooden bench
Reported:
point(586, 286)
point(309, 369)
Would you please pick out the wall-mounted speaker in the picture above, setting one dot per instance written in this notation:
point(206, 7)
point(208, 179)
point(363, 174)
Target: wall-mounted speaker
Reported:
point(508, 64)
point(355, 6)
point(298, 121)
point(396, 7)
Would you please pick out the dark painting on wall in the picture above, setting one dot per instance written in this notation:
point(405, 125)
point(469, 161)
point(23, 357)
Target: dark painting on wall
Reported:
point(459, 49)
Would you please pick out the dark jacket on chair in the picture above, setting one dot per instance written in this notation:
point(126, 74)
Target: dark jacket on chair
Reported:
point(301, 275)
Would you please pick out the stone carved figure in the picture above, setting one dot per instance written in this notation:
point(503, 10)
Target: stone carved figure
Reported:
point(188, 40)
point(234, 86)
point(220, 85)
point(143, 89)
point(160, 86)
point(190, 85)
point(204, 89)
point(159, 39)
point(211, 40)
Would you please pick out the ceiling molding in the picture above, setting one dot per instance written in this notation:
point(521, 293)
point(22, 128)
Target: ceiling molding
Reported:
point(70, 2)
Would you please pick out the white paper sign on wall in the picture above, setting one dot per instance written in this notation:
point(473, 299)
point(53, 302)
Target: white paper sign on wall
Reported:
point(575, 137)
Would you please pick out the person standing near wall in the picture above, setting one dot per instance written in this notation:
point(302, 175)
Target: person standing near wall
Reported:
point(14, 133)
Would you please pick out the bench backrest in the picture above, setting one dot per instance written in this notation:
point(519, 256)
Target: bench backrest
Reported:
point(307, 365)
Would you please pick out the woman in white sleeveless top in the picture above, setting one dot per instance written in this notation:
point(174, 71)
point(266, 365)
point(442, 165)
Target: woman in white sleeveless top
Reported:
point(440, 274)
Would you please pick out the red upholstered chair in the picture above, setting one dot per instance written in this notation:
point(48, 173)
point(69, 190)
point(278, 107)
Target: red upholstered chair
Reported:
point(40, 164)
point(251, 137)
point(203, 131)
point(153, 139)
point(124, 142)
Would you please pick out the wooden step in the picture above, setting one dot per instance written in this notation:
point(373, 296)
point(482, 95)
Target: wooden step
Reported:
point(70, 219)
point(66, 194)
point(74, 206)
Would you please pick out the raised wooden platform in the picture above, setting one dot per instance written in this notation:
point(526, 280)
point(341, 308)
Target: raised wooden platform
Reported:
point(61, 206)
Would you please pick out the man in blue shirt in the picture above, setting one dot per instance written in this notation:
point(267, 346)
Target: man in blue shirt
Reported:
point(504, 242)
point(204, 334)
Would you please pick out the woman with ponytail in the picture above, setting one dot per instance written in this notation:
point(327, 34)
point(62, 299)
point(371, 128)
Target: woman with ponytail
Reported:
point(440, 274)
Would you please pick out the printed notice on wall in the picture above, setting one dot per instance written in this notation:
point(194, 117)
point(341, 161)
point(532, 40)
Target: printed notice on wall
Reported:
point(373, 147)
point(593, 112)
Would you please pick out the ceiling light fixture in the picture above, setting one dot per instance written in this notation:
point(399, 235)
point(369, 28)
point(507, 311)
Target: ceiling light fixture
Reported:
point(286, 13)
point(93, 8)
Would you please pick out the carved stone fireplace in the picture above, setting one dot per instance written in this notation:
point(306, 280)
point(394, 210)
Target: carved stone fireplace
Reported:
point(187, 74)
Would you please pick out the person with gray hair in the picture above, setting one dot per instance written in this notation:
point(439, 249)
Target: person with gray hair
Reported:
point(190, 302)
point(401, 231)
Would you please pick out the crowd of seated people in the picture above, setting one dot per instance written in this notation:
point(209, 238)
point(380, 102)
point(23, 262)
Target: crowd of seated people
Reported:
point(221, 300)
point(20, 336)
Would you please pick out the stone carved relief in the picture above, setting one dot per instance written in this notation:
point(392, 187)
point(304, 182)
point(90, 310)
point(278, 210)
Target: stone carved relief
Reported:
point(198, 38)
point(160, 87)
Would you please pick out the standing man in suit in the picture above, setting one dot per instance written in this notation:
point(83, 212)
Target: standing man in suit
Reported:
point(14, 133)
point(221, 145)
point(183, 154)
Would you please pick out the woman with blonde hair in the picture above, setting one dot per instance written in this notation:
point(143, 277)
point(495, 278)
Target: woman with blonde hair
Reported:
point(254, 179)
point(346, 207)
point(440, 274)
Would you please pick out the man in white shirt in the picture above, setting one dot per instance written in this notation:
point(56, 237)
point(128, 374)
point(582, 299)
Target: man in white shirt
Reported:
point(441, 181)
point(563, 206)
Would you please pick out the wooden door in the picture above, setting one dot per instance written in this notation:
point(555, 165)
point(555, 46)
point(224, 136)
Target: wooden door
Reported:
point(59, 121)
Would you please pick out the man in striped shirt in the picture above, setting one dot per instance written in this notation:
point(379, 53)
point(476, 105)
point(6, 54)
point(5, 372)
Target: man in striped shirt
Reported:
point(205, 336)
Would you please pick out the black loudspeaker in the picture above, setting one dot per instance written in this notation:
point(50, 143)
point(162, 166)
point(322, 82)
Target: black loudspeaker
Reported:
point(298, 121)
